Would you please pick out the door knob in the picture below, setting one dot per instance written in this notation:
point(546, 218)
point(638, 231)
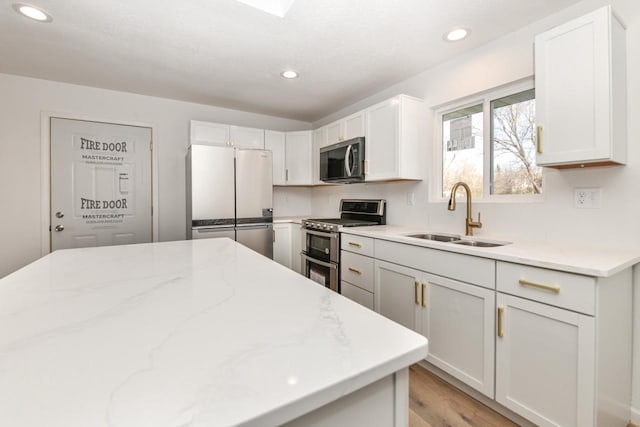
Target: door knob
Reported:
point(59, 214)
point(59, 228)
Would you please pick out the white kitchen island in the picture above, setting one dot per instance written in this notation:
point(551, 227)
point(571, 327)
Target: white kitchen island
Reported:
point(192, 333)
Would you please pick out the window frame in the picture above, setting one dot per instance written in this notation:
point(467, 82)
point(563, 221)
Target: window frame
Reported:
point(485, 99)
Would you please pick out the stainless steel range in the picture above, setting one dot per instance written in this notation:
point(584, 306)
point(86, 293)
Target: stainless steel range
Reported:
point(321, 238)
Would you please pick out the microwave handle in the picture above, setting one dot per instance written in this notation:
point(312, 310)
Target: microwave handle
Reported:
point(347, 160)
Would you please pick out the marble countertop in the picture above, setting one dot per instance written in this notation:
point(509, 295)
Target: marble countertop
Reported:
point(190, 333)
point(573, 258)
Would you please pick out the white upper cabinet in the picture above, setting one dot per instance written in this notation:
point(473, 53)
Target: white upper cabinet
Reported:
point(242, 137)
point(222, 134)
point(209, 133)
point(352, 126)
point(320, 140)
point(395, 129)
point(275, 142)
point(580, 77)
point(292, 155)
point(298, 158)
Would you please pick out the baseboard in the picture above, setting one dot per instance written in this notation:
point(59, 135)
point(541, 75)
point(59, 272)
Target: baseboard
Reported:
point(635, 417)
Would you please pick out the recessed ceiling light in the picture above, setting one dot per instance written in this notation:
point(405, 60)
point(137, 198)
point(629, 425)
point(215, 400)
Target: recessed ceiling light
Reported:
point(289, 74)
point(32, 12)
point(456, 34)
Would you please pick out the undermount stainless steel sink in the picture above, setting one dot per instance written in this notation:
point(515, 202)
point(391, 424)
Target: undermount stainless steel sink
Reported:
point(479, 243)
point(435, 237)
point(457, 240)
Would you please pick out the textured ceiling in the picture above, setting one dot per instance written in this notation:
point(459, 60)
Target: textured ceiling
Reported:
point(226, 53)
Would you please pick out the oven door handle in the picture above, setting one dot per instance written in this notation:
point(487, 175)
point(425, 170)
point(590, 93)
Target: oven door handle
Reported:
point(317, 261)
point(347, 161)
point(330, 234)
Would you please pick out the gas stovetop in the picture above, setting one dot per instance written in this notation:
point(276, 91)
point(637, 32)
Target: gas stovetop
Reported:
point(353, 213)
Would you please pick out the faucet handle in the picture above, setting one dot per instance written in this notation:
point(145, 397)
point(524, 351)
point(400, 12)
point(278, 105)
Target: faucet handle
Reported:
point(475, 224)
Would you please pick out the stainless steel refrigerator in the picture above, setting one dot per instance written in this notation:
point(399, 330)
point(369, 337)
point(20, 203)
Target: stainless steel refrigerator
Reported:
point(229, 194)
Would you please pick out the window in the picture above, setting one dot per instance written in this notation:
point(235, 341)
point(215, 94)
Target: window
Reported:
point(491, 145)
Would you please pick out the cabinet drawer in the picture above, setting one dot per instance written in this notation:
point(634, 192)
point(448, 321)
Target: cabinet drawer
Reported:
point(565, 290)
point(466, 268)
point(356, 294)
point(357, 269)
point(357, 244)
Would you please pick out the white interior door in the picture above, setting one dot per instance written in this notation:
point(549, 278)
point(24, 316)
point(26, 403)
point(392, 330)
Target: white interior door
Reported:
point(100, 184)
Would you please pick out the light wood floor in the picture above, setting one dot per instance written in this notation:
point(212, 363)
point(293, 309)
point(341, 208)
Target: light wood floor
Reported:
point(435, 403)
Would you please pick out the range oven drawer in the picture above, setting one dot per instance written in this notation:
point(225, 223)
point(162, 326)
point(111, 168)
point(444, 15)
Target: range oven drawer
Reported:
point(321, 272)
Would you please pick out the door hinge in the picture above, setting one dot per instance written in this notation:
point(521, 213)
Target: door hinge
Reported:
point(49, 229)
point(151, 145)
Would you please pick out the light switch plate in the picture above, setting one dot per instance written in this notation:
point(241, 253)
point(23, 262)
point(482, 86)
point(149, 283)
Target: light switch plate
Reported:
point(587, 198)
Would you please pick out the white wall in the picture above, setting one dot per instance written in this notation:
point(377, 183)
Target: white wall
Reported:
point(21, 102)
point(554, 219)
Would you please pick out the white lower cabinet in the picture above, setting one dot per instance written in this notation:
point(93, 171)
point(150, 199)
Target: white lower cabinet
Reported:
point(457, 319)
point(397, 291)
point(282, 247)
point(286, 245)
point(553, 347)
point(545, 362)
point(356, 269)
point(357, 294)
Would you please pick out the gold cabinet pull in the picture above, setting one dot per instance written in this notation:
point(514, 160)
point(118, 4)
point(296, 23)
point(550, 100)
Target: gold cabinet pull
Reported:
point(552, 288)
point(500, 313)
point(539, 138)
point(416, 293)
point(424, 301)
point(357, 245)
point(355, 270)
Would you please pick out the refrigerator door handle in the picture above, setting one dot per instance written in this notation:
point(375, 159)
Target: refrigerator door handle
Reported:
point(252, 226)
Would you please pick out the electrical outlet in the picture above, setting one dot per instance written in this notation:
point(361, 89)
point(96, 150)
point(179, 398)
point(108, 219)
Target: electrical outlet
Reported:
point(587, 198)
point(411, 198)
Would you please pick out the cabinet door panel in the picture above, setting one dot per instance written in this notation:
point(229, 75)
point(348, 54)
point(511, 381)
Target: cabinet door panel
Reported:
point(282, 248)
point(275, 142)
point(242, 137)
point(458, 321)
point(381, 144)
point(573, 90)
point(334, 132)
point(396, 294)
point(354, 125)
point(209, 133)
point(298, 158)
point(545, 367)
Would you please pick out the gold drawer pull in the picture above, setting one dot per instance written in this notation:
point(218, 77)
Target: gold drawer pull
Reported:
point(355, 270)
point(424, 301)
point(525, 282)
point(357, 245)
point(416, 295)
point(500, 314)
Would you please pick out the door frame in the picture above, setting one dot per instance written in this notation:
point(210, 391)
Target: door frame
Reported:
point(45, 169)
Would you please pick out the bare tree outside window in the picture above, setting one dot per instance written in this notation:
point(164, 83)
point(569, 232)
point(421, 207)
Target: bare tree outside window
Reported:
point(462, 149)
point(513, 138)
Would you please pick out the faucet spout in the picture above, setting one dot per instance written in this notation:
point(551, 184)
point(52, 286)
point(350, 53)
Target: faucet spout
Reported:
point(469, 222)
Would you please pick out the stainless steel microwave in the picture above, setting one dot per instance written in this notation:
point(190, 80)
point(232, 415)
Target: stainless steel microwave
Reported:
point(343, 162)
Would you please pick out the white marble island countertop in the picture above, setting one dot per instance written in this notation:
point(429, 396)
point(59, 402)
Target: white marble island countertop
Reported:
point(190, 333)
